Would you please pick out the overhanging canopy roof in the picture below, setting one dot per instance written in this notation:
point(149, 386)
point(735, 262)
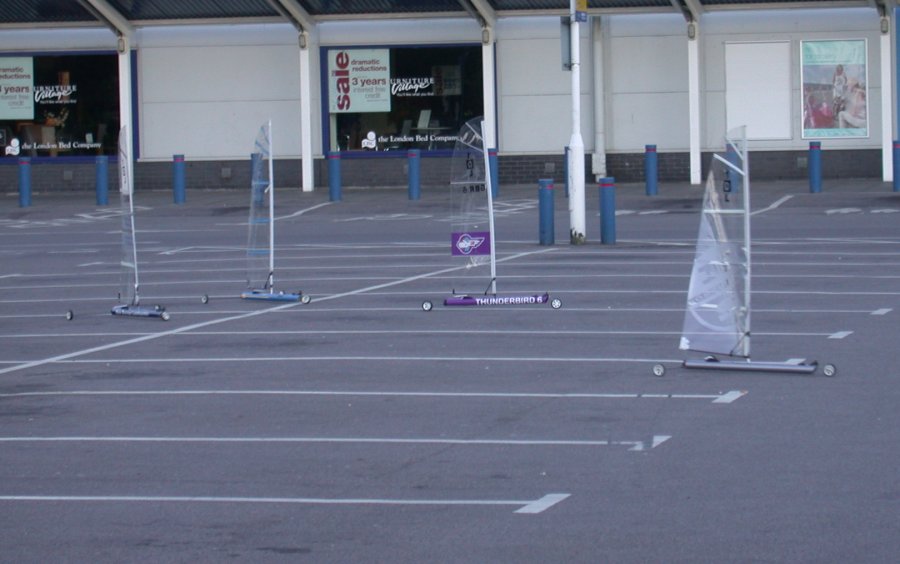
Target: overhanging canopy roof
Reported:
point(139, 13)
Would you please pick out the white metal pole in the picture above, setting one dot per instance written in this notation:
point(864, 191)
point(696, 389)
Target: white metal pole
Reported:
point(576, 144)
point(271, 190)
point(490, 197)
point(744, 153)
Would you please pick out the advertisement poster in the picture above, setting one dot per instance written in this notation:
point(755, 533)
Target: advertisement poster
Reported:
point(16, 88)
point(834, 88)
point(359, 80)
point(59, 105)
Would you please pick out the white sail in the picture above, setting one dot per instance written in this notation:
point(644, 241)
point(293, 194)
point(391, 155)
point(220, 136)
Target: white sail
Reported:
point(717, 317)
point(472, 221)
point(130, 282)
point(260, 232)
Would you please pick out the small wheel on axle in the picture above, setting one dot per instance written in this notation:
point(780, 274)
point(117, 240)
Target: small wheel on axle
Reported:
point(556, 303)
point(659, 370)
point(426, 305)
point(164, 315)
point(305, 299)
point(204, 299)
point(70, 315)
point(829, 370)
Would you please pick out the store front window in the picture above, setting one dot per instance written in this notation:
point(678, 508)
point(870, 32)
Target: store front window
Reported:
point(59, 105)
point(399, 98)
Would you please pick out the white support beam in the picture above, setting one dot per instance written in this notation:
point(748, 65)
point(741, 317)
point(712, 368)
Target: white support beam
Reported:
point(887, 99)
point(487, 19)
point(124, 31)
point(487, 13)
point(307, 181)
point(693, 40)
point(103, 11)
point(306, 27)
point(489, 93)
point(598, 57)
point(123, 49)
point(695, 7)
point(296, 12)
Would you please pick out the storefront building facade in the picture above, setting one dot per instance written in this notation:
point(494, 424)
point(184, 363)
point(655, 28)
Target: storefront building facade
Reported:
point(375, 89)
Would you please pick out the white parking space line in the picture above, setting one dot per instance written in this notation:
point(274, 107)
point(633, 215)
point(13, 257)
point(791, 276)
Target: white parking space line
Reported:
point(840, 335)
point(187, 328)
point(344, 358)
point(633, 445)
point(727, 397)
point(882, 311)
point(531, 507)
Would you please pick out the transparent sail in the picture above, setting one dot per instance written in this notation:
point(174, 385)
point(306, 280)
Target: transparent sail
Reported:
point(471, 225)
point(128, 291)
point(260, 235)
point(261, 225)
point(717, 317)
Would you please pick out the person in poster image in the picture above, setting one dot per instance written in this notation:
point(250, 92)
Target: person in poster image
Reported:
point(854, 114)
point(838, 90)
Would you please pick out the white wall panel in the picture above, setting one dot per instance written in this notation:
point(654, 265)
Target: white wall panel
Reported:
point(217, 130)
point(535, 100)
point(758, 95)
point(220, 73)
point(649, 119)
point(205, 92)
point(648, 64)
point(544, 123)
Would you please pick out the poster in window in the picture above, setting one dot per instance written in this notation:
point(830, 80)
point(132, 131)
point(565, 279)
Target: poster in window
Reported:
point(16, 88)
point(834, 88)
point(360, 80)
point(72, 106)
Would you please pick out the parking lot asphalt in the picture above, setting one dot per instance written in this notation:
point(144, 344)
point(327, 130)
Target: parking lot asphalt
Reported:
point(359, 427)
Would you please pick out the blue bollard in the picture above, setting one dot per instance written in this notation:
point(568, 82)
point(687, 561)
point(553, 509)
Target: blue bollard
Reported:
point(24, 182)
point(608, 211)
point(334, 176)
point(178, 178)
point(102, 179)
point(414, 158)
point(815, 167)
point(896, 164)
point(566, 169)
point(546, 227)
point(651, 170)
point(735, 180)
point(495, 173)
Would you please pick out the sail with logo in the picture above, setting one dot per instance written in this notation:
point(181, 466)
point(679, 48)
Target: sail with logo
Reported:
point(472, 235)
point(472, 219)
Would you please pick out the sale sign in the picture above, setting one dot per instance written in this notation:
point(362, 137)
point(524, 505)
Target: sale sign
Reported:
point(359, 80)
